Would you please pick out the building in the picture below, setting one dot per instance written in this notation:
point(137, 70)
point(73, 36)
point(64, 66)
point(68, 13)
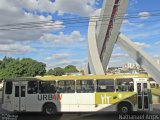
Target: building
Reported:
point(158, 61)
point(131, 66)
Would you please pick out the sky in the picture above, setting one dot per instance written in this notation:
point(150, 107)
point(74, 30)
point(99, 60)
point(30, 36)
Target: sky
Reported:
point(61, 36)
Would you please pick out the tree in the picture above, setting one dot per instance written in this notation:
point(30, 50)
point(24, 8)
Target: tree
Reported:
point(5, 61)
point(1, 64)
point(33, 67)
point(12, 69)
point(3, 74)
point(70, 69)
point(58, 71)
point(27, 67)
point(50, 72)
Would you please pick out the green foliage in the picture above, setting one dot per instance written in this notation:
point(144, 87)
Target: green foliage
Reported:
point(58, 71)
point(14, 69)
point(27, 67)
point(5, 61)
point(70, 69)
point(50, 72)
point(10, 68)
point(32, 67)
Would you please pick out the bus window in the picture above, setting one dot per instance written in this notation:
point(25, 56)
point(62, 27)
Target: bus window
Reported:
point(145, 88)
point(16, 91)
point(32, 87)
point(8, 87)
point(23, 91)
point(66, 86)
point(125, 85)
point(105, 85)
point(85, 86)
point(47, 87)
point(139, 89)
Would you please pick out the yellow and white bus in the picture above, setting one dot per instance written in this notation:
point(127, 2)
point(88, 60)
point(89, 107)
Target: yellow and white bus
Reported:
point(122, 93)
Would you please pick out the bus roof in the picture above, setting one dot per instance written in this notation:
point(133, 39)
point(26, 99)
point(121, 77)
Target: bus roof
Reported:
point(88, 77)
point(21, 79)
point(117, 76)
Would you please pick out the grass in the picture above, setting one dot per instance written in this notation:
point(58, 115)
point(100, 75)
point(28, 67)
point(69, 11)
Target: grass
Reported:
point(156, 91)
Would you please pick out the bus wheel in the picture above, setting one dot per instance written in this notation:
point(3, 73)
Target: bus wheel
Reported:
point(124, 108)
point(50, 109)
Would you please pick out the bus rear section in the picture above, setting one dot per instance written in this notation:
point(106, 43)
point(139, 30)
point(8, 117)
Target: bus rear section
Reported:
point(127, 95)
point(14, 96)
point(28, 95)
point(141, 100)
point(144, 95)
point(77, 95)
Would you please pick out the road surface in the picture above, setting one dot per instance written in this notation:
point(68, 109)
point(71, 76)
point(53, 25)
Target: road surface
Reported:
point(154, 115)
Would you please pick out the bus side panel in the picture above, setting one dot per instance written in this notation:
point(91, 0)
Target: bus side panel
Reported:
point(35, 102)
point(32, 103)
point(78, 102)
point(8, 101)
point(68, 102)
point(85, 101)
point(111, 99)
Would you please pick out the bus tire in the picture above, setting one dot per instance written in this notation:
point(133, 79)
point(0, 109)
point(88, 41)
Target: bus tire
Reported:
point(124, 108)
point(49, 109)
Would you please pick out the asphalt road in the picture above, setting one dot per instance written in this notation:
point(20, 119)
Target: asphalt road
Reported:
point(154, 115)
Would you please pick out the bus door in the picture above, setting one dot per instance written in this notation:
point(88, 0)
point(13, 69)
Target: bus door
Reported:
point(142, 95)
point(19, 96)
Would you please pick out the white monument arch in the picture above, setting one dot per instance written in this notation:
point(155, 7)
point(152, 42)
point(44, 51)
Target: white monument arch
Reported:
point(103, 34)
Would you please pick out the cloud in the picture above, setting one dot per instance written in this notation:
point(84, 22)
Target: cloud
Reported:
point(146, 33)
point(80, 7)
point(117, 55)
point(37, 5)
point(157, 43)
point(156, 56)
point(5, 41)
point(8, 46)
point(31, 11)
point(79, 63)
point(142, 45)
point(17, 25)
point(133, 3)
point(139, 35)
point(127, 22)
point(57, 25)
point(120, 61)
point(15, 48)
point(14, 13)
point(31, 32)
point(62, 38)
point(59, 56)
point(144, 15)
point(119, 58)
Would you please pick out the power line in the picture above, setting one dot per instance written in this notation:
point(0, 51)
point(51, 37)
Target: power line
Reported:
point(75, 19)
point(69, 25)
point(51, 24)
